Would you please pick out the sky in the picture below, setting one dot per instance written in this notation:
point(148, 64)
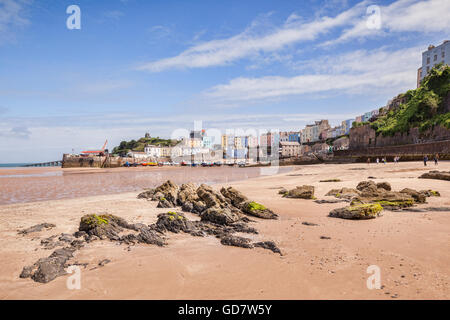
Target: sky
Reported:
point(138, 66)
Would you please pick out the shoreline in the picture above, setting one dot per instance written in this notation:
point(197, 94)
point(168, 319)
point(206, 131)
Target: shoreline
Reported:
point(411, 248)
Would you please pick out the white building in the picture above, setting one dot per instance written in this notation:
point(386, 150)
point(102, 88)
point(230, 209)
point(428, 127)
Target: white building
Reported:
point(152, 151)
point(433, 56)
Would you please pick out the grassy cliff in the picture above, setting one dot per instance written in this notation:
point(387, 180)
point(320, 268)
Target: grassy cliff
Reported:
point(139, 145)
point(424, 106)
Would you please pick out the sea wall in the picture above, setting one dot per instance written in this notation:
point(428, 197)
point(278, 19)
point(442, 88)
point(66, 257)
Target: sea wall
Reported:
point(365, 137)
point(74, 161)
point(407, 152)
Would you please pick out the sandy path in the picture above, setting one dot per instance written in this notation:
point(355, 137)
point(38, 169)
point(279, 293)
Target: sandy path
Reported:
point(411, 248)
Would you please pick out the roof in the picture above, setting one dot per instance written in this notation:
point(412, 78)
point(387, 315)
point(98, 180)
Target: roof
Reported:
point(289, 143)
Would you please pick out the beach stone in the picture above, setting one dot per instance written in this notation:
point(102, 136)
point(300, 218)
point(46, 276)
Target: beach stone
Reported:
point(187, 194)
point(258, 210)
point(311, 224)
point(173, 222)
point(430, 193)
point(384, 185)
point(343, 193)
point(163, 203)
point(236, 241)
point(283, 191)
point(47, 269)
point(37, 228)
point(234, 196)
point(439, 175)
point(147, 194)
point(302, 192)
point(211, 198)
point(104, 262)
point(187, 207)
point(157, 196)
point(103, 226)
point(417, 196)
point(367, 187)
point(169, 191)
point(269, 245)
point(359, 212)
point(223, 216)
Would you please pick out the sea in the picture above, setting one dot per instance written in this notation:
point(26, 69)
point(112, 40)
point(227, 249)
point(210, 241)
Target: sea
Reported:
point(12, 165)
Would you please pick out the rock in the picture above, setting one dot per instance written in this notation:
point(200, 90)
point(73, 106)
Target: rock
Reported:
point(439, 175)
point(384, 185)
point(169, 190)
point(47, 269)
point(65, 237)
point(302, 192)
point(149, 236)
point(269, 245)
point(258, 210)
point(362, 211)
point(79, 234)
point(234, 196)
point(157, 196)
point(325, 238)
point(222, 216)
point(322, 201)
point(104, 226)
point(343, 193)
point(163, 203)
point(147, 194)
point(236, 241)
point(418, 197)
point(430, 193)
point(211, 198)
point(37, 228)
point(331, 180)
point(199, 207)
point(187, 207)
point(173, 222)
point(104, 262)
point(283, 191)
point(187, 194)
point(309, 224)
point(367, 187)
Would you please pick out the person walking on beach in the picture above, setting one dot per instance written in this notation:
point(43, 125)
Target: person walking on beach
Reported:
point(425, 159)
point(436, 158)
point(368, 161)
point(378, 160)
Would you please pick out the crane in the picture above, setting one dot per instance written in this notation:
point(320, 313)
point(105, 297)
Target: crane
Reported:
point(96, 152)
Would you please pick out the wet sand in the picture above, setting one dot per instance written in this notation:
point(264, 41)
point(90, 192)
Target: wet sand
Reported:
point(20, 185)
point(412, 249)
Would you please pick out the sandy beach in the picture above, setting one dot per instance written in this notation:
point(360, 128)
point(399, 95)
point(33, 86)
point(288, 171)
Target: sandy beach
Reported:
point(412, 249)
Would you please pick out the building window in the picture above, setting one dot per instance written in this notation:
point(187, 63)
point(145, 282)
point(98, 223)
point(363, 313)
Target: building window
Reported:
point(443, 53)
point(428, 60)
point(435, 57)
point(428, 69)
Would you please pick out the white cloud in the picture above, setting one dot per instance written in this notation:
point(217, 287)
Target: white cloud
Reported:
point(356, 72)
point(11, 16)
point(250, 42)
point(402, 16)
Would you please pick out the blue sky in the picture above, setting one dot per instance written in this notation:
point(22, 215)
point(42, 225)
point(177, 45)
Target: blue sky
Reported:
point(137, 66)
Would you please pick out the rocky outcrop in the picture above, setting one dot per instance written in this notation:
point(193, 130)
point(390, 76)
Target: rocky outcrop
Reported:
point(236, 241)
point(223, 216)
point(384, 185)
point(418, 197)
point(439, 175)
point(47, 269)
point(359, 212)
point(37, 228)
point(368, 192)
point(234, 196)
point(258, 210)
point(302, 192)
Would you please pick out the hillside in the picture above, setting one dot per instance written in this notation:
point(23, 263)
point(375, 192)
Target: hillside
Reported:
point(139, 145)
point(424, 107)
